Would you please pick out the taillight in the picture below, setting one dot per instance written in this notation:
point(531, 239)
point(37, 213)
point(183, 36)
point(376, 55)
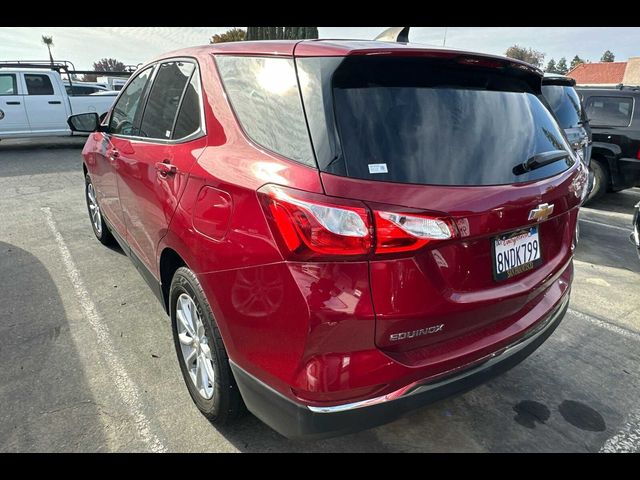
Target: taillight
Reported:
point(399, 232)
point(638, 154)
point(313, 226)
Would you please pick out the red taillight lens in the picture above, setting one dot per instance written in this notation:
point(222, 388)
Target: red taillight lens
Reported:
point(638, 154)
point(312, 226)
point(400, 232)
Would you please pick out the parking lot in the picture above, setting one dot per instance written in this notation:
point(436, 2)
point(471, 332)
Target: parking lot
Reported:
point(88, 363)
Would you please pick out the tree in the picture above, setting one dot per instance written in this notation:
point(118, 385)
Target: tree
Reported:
point(551, 67)
point(48, 41)
point(575, 62)
point(233, 35)
point(561, 67)
point(104, 65)
point(279, 33)
point(528, 55)
point(608, 56)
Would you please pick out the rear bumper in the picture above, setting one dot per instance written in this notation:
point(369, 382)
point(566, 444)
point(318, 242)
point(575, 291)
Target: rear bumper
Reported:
point(295, 420)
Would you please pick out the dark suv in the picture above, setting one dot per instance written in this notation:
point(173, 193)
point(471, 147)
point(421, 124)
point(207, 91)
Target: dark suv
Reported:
point(615, 125)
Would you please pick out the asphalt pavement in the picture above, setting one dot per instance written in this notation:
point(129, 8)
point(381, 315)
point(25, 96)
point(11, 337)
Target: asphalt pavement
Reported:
point(87, 361)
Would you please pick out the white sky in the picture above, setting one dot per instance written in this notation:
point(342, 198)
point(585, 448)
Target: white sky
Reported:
point(133, 45)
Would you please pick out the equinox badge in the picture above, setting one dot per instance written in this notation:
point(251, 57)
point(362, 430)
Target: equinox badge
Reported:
point(416, 333)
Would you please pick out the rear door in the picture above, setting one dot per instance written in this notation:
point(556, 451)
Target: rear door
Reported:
point(439, 139)
point(45, 103)
point(13, 116)
point(155, 162)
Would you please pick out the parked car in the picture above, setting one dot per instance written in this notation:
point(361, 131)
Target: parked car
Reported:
point(340, 231)
point(35, 103)
point(83, 88)
point(559, 91)
point(615, 125)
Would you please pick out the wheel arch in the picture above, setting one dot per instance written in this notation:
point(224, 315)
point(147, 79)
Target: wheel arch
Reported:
point(170, 261)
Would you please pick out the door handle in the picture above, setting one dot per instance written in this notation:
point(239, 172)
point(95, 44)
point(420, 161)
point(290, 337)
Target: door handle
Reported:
point(13, 103)
point(55, 102)
point(113, 155)
point(165, 168)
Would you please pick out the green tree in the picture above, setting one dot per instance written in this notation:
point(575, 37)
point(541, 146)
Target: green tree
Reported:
point(608, 56)
point(561, 66)
point(528, 55)
point(277, 33)
point(575, 62)
point(104, 65)
point(551, 67)
point(48, 41)
point(233, 35)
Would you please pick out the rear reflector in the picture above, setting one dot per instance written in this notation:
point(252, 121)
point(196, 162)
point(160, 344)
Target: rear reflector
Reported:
point(309, 226)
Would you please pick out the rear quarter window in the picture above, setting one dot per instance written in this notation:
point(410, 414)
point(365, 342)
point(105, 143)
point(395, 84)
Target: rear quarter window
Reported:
point(565, 103)
point(264, 94)
point(610, 111)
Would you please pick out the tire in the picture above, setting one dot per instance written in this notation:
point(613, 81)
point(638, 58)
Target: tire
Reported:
point(600, 181)
point(218, 400)
point(100, 229)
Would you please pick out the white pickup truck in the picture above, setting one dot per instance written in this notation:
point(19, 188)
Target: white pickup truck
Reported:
point(35, 103)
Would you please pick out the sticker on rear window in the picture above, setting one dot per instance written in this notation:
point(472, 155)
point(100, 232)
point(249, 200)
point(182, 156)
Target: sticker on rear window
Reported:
point(378, 168)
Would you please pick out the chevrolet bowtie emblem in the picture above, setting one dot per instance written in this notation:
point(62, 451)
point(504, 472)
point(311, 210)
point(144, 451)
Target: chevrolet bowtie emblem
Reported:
point(541, 213)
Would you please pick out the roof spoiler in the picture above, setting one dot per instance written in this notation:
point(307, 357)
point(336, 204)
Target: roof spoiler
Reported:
point(394, 34)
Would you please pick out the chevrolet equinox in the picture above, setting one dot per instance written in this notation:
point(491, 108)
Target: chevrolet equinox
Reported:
point(340, 231)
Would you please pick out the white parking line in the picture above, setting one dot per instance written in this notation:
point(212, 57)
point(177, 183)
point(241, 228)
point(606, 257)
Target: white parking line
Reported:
point(123, 382)
point(628, 438)
point(605, 213)
point(607, 326)
point(627, 230)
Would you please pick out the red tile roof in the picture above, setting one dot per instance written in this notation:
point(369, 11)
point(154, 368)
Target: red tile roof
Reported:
point(601, 72)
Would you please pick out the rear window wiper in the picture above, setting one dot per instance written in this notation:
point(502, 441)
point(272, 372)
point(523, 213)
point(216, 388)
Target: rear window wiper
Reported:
point(539, 160)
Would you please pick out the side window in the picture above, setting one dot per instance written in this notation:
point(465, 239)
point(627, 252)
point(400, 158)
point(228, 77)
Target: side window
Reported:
point(610, 111)
point(124, 116)
point(188, 120)
point(164, 99)
point(8, 85)
point(38, 84)
point(265, 97)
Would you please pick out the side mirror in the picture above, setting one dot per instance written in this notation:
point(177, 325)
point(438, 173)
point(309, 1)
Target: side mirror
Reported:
point(84, 122)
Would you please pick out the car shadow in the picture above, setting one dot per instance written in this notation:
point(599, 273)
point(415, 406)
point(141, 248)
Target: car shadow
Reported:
point(46, 401)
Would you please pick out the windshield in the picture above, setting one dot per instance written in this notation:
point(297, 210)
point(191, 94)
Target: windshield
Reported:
point(414, 123)
point(565, 103)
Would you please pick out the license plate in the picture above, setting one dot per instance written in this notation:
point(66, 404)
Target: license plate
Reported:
point(515, 253)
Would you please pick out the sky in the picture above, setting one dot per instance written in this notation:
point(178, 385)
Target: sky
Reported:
point(133, 45)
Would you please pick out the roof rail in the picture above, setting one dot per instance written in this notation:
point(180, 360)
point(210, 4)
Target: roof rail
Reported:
point(62, 67)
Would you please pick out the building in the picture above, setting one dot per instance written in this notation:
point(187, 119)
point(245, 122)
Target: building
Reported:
point(607, 73)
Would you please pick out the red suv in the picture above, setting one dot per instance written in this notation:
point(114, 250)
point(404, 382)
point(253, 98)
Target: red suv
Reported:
point(340, 231)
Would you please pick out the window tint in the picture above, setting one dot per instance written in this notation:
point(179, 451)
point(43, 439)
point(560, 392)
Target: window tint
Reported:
point(164, 99)
point(265, 97)
point(38, 84)
point(189, 116)
point(127, 108)
point(403, 120)
point(610, 111)
point(565, 103)
point(8, 84)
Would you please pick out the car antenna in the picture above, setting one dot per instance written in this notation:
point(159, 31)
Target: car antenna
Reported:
point(394, 34)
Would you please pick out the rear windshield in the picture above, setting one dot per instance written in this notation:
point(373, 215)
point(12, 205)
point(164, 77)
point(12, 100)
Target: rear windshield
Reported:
point(565, 103)
point(411, 121)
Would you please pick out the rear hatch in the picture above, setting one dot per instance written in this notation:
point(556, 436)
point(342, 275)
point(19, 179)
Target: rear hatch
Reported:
point(461, 139)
